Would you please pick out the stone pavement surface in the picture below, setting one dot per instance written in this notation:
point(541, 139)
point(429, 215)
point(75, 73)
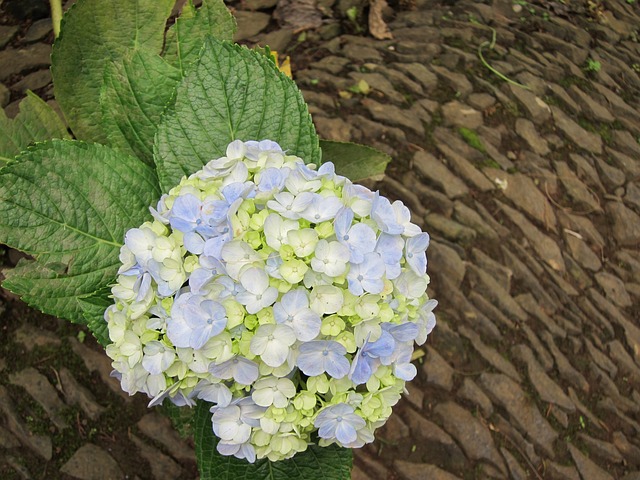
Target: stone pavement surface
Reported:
point(529, 184)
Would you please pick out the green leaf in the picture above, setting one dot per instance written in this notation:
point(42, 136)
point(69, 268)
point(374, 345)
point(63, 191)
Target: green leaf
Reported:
point(232, 93)
point(136, 92)
point(93, 308)
point(356, 162)
point(94, 34)
point(316, 463)
point(186, 37)
point(68, 204)
point(36, 122)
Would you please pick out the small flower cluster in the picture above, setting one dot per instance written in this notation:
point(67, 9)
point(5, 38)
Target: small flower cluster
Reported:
point(287, 296)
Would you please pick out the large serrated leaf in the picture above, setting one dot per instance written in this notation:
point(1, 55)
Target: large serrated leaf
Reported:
point(136, 91)
point(232, 93)
point(186, 37)
point(316, 463)
point(73, 227)
point(94, 34)
point(36, 122)
point(356, 162)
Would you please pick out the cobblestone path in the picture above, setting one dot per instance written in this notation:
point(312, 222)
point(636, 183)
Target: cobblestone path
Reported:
point(528, 182)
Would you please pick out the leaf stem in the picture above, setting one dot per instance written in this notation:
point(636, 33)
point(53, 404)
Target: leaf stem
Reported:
point(56, 15)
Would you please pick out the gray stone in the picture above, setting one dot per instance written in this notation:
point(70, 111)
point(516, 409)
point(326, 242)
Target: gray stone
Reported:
point(486, 285)
point(361, 53)
point(625, 142)
point(576, 54)
point(548, 390)
point(332, 64)
point(450, 229)
point(591, 108)
point(392, 115)
point(624, 162)
point(601, 360)
point(42, 392)
point(471, 392)
point(260, 4)
point(38, 30)
point(515, 469)
point(587, 468)
point(7, 440)
point(372, 466)
point(561, 93)
point(618, 105)
point(250, 24)
point(278, 40)
point(561, 472)
point(578, 135)
point(471, 434)
point(40, 444)
point(494, 268)
point(465, 169)
point(7, 32)
point(436, 441)
point(420, 471)
point(577, 191)
point(420, 74)
point(490, 311)
point(377, 81)
point(586, 171)
point(162, 467)
point(445, 261)
point(438, 174)
point(630, 451)
point(529, 279)
point(458, 114)
point(490, 354)
point(521, 190)
point(437, 370)
point(377, 129)
point(481, 101)
point(536, 108)
point(582, 253)
point(415, 395)
point(544, 246)
point(76, 394)
point(583, 226)
point(527, 130)
point(614, 289)
point(400, 80)
point(612, 177)
point(544, 356)
point(594, 422)
point(30, 337)
point(91, 462)
point(495, 154)
point(333, 128)
point(507, 393)
point(395, 430)
point(160, 429)
point(14, 61)
point(603, 450)
point(5, 96)
point(632, 195)
point(457, 81)
point(566, 370)
point(469, 217)
point(625, 223)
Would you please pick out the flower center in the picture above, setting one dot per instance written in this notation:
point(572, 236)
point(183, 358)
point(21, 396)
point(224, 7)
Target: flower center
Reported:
point(325, 352)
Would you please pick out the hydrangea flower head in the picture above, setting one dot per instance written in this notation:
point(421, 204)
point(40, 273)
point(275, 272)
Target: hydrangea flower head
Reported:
point(286, 296)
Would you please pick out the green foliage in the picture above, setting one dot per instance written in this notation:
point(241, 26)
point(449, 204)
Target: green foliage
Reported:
point(35, 122)
point(316, 463)
point(109, 77)
point(93, 308)
point(232, 93)
point(74, 226)
point(356, 162)
point(472, 139)
point(593, 65)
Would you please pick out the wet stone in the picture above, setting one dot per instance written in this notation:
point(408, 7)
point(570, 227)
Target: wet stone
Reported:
point(625, 223)
point(489, 354)
point(460, 115)
point(548, 390)
point(521, 190)
point(420, 471)
point(536, 108)
point(587, 468)
point(582, 253)
point(526, 129)
point(471, 392)
point(76, 394)
point(507, 393)
point(584, 199)
point(474, 438)
point(578, 135)
point(162, 467)
point(614, 289)
point(42, 392)
point(91, 462)
point(39, 444)
point(544, 246)
point(438, 174)
point(437, 370)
